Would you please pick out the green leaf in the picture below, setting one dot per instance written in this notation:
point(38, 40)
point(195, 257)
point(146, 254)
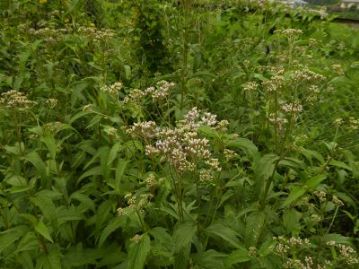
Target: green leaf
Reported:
point(210, 259)
point(238, 256)
point(291, 162)
point(110, 228)
point(340, 164)
point(94, 171)
point(18, 183)
point(138, 252)
point(36, 161)
point(120, 171)
point(208, 132)
point(266, 248)
point(162, 244)
point(103, 214)
point(161, 235)
point(183, 235)
point(30, 218)
point(128, 72)
point(224, 232)
point(51, 145)
point(315, 181)
point(112, 256)
point(10, 236)
point(77, 89)
point(17, 149)
point(264, 169)
point(86, 202)
point(299, 191)
point(42, 229)
point(337, 238)
point(51, 260)
point(27, 242)
point(310, 154)
point(79, 115)
point(46, 206)
point(291, 221)
point(68, 214)
point(254, 228)
point(113, 153)
point(77, 256)
point(294, 195)
point(25, 259)
point(16, 180)
point(244, 144)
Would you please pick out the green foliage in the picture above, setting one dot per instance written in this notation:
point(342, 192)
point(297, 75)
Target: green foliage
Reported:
point(110, 156)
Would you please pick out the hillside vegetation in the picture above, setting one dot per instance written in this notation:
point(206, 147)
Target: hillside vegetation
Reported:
point(184, 134)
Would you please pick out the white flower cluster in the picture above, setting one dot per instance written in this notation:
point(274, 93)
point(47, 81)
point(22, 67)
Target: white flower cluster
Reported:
point(135, 202)
point(194, 119)
point(338, 122)
point(322, 196)
point(306, 75)
point(181, 146)
point(229, 154)
point(284, 245)
point(134, 96)
point(150, 181)
point(205, 176)
point(49, 34)
point(15, 99)
point(96, 34)
point(322, 12)
point(110, 131)
point(337, 201)
point(157, 93)
point(313, 94)
point(113, 89)
point(351, 123)
point(161, 91)
point(292, 107)
point(278, 120)
point(145, 130)
point(136, 238)
point(296, 263)
point(338, 69)
point(348, 254)
point(275, 83)
point(290, 32)
point(52, 102)
point(250, 86)
point(54, 126)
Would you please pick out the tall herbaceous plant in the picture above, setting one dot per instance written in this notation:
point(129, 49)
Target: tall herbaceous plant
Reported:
point(177, 134)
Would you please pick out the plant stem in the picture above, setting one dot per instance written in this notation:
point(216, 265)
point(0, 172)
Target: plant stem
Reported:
point(184, 71)
point(333, 219)
point(177, 189)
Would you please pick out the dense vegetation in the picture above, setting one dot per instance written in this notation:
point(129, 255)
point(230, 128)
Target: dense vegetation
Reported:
point(177, 134)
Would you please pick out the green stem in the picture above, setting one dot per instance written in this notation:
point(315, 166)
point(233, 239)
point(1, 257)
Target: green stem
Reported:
point(268, 184)
point(333, 219)
point(177, 189)
point(144, 228)
point(184, 72)
point(276, 131)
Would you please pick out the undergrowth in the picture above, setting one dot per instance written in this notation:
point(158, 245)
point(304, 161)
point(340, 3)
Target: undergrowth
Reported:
point(177, 134)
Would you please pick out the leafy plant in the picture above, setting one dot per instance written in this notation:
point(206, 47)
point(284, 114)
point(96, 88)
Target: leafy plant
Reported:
point(177, 134)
